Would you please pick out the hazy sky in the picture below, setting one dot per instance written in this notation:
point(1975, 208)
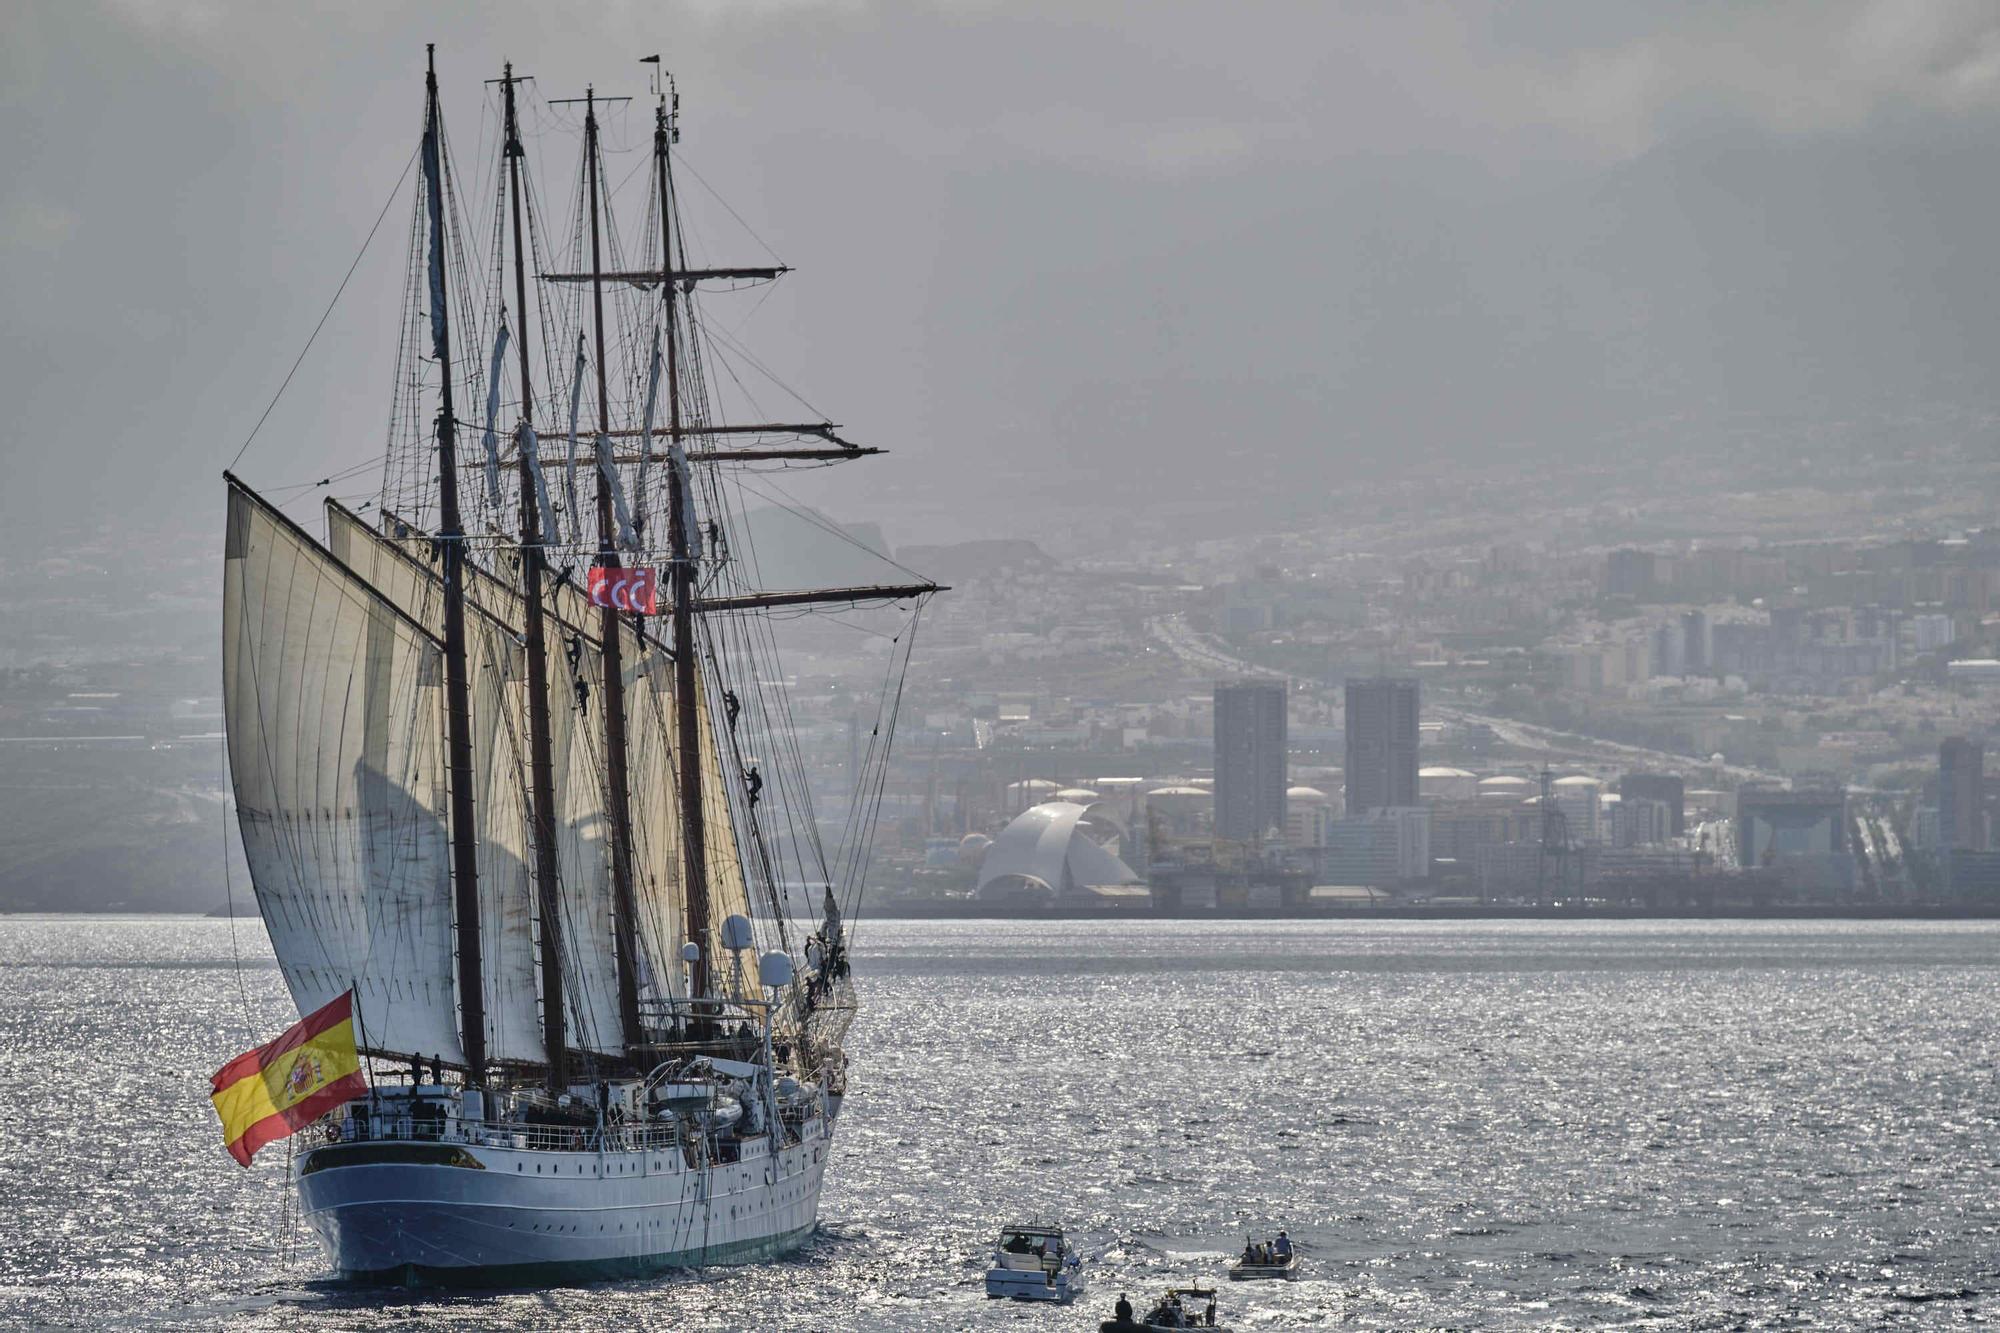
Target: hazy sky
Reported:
point(1058, 256)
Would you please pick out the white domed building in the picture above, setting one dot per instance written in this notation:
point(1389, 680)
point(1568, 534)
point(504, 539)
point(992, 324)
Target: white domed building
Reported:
point(1048, 855)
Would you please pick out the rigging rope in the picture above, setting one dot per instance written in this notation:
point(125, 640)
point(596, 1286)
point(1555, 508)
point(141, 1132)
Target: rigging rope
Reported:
point(325, 314)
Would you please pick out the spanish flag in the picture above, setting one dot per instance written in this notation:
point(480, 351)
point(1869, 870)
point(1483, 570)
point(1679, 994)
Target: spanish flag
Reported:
point(281, 1088)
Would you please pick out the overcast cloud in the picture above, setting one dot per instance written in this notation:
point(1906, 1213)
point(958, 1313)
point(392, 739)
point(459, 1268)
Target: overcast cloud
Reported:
point(1058, 256)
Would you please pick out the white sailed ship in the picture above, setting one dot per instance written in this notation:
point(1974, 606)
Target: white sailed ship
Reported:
point(496, 757)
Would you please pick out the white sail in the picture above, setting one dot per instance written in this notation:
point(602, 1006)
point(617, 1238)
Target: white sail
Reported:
point(496, 670)
point(658, 871)
point(583, 865)
point(332, 704)
point(727, 893)
point(583, 840)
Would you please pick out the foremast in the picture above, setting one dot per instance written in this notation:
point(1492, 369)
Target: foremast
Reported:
point(451, 546)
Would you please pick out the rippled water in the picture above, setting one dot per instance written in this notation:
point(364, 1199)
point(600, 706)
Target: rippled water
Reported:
point(1516, 1124)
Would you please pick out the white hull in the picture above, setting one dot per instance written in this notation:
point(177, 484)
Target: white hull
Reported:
point(1017, 1285)
point(477, 1214)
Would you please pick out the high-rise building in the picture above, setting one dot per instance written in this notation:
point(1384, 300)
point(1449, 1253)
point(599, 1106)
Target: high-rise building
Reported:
point(1659, 787)
point(1249, 758)
point(1694, 641)
point(1962, 795)
point(1629, 573)
point(1381, 743)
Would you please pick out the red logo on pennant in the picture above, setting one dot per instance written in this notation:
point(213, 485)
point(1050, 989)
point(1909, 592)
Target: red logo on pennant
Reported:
point(635, 590)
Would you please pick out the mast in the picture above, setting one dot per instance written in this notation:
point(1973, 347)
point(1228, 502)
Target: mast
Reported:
point(687, 717)
point(624, 907)
point(451, 540)
point(541, 768)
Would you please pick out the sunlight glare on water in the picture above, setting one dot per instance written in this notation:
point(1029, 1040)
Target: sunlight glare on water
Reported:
point(1528, 1124)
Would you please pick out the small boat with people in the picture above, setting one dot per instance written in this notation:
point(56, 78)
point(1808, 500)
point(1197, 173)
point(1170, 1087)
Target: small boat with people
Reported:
point(1034, 1263)
point(1179, 1308)
point(1264, 1261)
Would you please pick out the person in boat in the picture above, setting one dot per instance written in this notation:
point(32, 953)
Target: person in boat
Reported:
point(1249, 1250)
point(1122, 1311)
point(1282, 1248)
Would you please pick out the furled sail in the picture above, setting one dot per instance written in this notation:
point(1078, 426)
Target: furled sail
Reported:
point(331, 697)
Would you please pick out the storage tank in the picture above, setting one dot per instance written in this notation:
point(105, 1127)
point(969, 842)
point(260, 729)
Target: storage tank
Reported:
point(1505, 788)
point(1442, 783)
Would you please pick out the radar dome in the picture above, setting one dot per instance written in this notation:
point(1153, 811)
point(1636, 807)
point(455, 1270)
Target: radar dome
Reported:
point(774, 969)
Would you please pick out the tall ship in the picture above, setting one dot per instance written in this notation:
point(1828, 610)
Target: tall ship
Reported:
point(515, 768)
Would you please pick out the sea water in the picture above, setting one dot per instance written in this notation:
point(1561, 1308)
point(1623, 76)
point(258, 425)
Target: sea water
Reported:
point(1494, 1125)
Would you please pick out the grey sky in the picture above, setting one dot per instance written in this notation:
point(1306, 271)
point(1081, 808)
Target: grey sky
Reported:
point(1053, 254)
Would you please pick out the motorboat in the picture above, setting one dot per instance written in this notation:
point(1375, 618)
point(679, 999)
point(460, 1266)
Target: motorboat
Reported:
point(1179, 1308)
point(1032, 1262)
point(1275, 1269)
point(1284, 1271)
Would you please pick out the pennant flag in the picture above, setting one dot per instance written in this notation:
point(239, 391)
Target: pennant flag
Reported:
point(280, 1088)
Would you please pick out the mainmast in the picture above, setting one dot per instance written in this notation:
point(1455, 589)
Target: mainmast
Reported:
point(687, 717)
point(541, 775)
point(451, 541)
point(624, 907)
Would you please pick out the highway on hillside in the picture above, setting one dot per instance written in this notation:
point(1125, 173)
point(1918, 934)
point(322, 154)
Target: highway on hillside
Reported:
point(1204, 655)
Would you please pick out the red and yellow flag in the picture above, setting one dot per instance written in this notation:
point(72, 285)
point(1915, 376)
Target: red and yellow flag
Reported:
point(282, 1087)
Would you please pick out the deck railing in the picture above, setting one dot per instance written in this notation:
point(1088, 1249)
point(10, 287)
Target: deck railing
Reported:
point(400, 1126)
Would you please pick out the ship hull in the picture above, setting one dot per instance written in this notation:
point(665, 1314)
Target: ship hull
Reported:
point(482, 1216)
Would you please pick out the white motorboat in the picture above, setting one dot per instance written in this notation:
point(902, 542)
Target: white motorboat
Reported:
point(1034, 1263)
